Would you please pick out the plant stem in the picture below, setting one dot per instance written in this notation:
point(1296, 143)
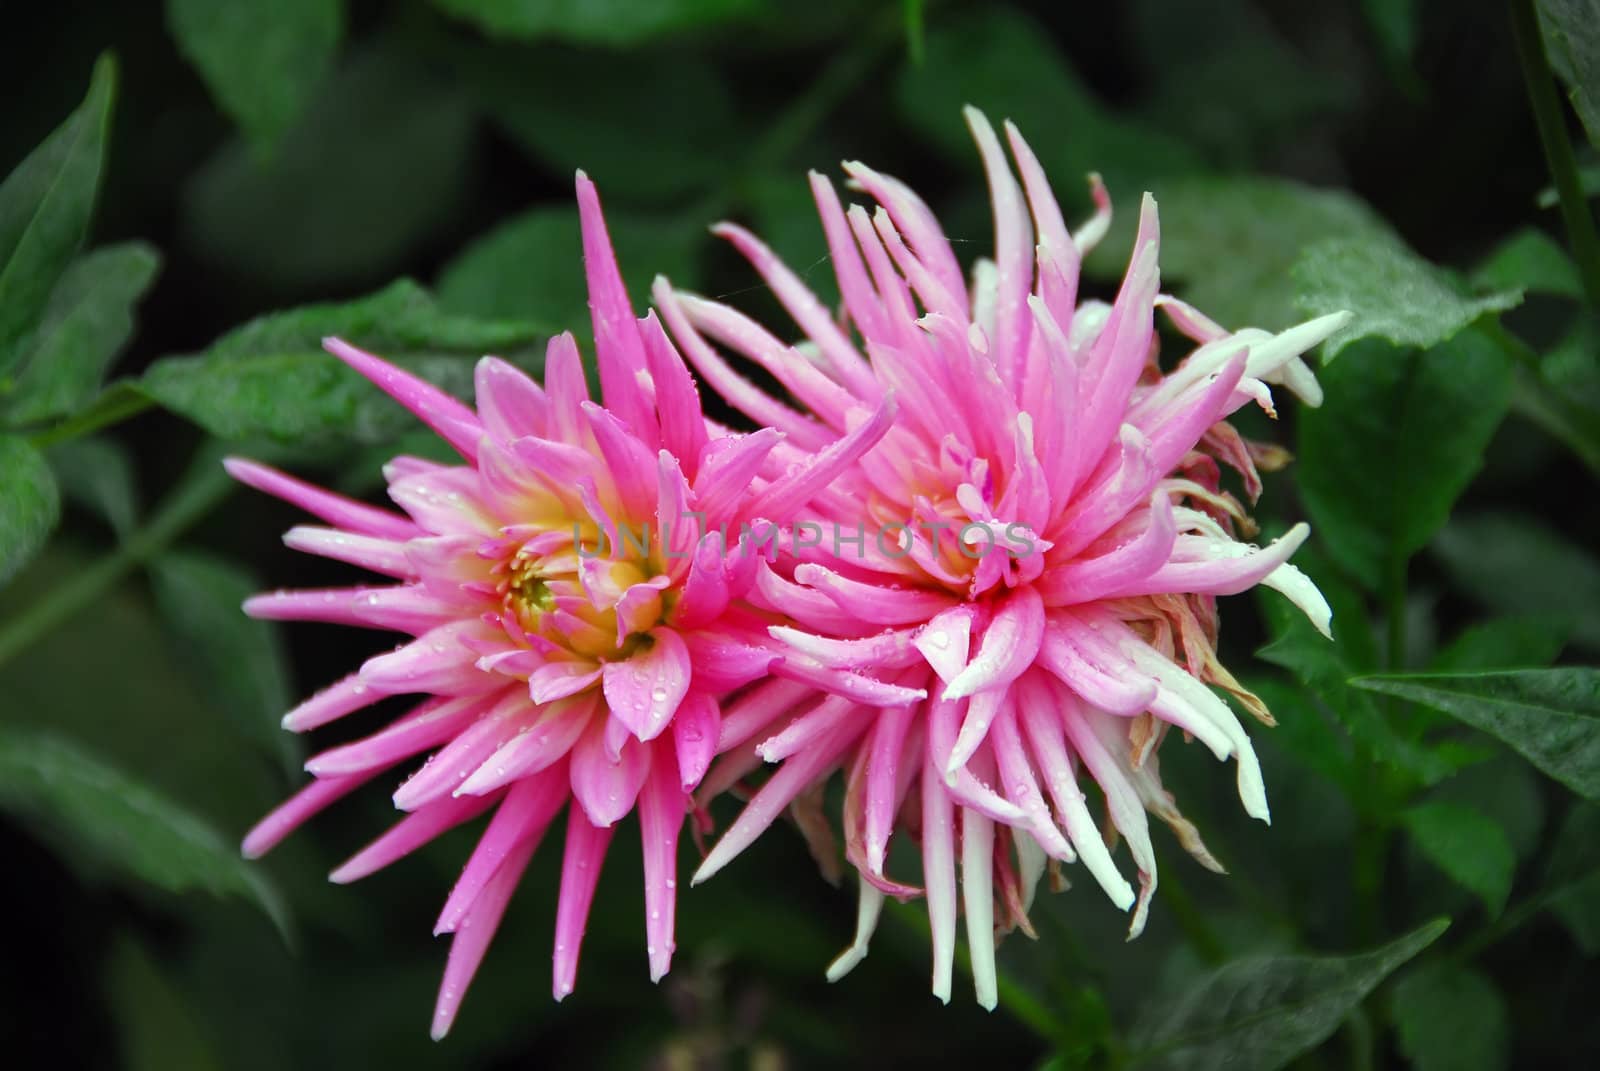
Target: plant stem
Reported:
point(114, 407)
point(1191, 920)
point(201, 489)
point(1394, 603)
point(1551, 121)
point(1021, 1004)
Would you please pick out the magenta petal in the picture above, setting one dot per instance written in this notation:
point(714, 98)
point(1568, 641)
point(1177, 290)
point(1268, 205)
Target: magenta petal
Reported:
point(1008, 646)
point(607, 788)
point(409, 834)
point(473, 934)
point(645, 690)
point(580, 870)
point(662, 805)
point(524, 814)
point(335, 509)
point(695, 729)
point(297, 809)
point(454, 422)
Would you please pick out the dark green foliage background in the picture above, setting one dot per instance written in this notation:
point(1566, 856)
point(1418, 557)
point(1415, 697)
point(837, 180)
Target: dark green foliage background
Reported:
point(269, 172)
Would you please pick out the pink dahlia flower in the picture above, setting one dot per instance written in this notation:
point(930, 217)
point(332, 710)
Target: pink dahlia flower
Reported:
point(1030, 556)
point(575, 614)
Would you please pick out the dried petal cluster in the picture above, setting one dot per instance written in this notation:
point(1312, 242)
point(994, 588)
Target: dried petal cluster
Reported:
point(1018, 531)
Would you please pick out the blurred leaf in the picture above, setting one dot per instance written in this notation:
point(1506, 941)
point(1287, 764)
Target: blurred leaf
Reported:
point(1324, 668)
point(261, 59)
point(87, 321)
point(1451, 1017)
point(239, 662)
point(1505, 789)
point(157, 1031)
point(1002, 62)
point(271, 378)
point(45, 206)
point(531, 267)
point(1261, 1013)
point(1394, 293)
point(691, 139)
point(784, 215)
point(1231, 48)
point(30, 505)
point(120, 823)
point(1572, 39)
point(1549, 716)
point(1232, 241)
point(1516, 565)
point(615, 22)
point(1504, 643)
point(1394, 24)
point(1573, 876)
point(1466, 845)
point(97, 474)
point(1400, 435)
point(375, 167)
point(1530, 260)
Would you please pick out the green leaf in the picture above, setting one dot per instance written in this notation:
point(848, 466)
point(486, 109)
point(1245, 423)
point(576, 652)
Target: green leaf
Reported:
point(531, 267)
point(1549, 716)
point(1261, 1013)
point(1466, 845)
point(87, 321)
point(1230, 242)
point(376, 166)
point(1002, 62)
point(97, 474)
point(1572, 881)
point(240, 663)
point(1325, 669)
point(1399, 437)
point(1394, 24)
point(616, 22)
point(1530, 260)
point(1231, 48)
point(30, 505)
point(1572, 39)
point(45, 206)
point(1394, 293)
point(271, 378)
point(118, 823)
point(156, 1030)
point(1504, 643)
point(694, 135)
point(1451, 1017)
point(1515, 565)
point(261, 59)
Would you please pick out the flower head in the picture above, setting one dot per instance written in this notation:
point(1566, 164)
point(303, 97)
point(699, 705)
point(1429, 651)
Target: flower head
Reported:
point(576, 618)
point(1034, 548)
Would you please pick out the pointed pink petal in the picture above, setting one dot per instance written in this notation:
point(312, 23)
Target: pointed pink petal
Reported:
point(695, 729)
point(369, 552)
point(454, 422)
point(1008, 646)
point(335, 509)
point(473, 934)
point(332, 703)
point(297, 809)
point(580, 870)
point(428, 725)
point(662, 805)
point(939, 876)
point(606, 788)
point(523, 815)
point(409, 834)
